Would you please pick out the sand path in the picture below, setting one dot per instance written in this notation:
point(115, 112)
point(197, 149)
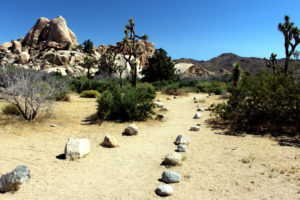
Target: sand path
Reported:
point(213, 168)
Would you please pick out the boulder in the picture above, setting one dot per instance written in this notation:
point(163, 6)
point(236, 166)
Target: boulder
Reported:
point(164, 190)
point(195, 128)
point(181, 148)
point(110, 141)
point(24, 58)
point(182, 139)
point(50, 30)
point(171, 177)
point(173, 159)
point(131, 130)
point(6, 45)
point(197, 116)
point(161, 117)
point(63, 59)
point(16, 47)
point(77, 148)
point(12, 180)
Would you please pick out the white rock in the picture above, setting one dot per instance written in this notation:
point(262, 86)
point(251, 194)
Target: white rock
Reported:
point(158, 104)
point(182, 139)
point(173, 159)
point(164, 108)
point(161, 117)
point(24, 58)
point(77, 148)
point(165, 190)
point(195, 98)
point(53, 125)
point(159, 100)
point(181, 148)
point(197, 116)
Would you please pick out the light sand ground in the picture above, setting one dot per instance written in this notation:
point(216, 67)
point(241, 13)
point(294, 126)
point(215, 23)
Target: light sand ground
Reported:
point(213, 168)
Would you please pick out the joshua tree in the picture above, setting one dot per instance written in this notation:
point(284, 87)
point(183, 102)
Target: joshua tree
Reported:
point(272, 62)
point(291, 39)
point(130, 48)
point(236, 73)
point(89, 62)
point(108, 64)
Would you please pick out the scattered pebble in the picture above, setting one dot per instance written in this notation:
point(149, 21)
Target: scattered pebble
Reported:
point(164, 190)
point(171, 177)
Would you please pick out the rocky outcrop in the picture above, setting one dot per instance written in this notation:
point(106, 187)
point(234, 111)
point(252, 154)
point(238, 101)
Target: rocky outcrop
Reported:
point(55, 30)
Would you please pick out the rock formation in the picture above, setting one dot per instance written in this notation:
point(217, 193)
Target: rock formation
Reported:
point(55, 30)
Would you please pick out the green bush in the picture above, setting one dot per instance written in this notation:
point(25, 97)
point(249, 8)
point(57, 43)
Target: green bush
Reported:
point(160, 67)
point(126, 104)
point(90, 94)
point(264, 102)
point(81, 84)
point(11, 109)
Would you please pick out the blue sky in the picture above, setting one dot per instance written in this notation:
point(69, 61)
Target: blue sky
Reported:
point(184, 28)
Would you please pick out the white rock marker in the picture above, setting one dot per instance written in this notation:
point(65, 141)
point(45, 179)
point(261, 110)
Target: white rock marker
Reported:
point(77, 148)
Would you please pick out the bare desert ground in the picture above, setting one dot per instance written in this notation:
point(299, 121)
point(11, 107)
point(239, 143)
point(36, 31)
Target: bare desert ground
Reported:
point(217, 166)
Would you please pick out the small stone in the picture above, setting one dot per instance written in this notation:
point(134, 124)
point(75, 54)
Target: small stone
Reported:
point(53, 125)
point(168, 98)
point(195, 101)
point(195, 128)
point(164, 190)
point(161, 117)
point(181, 148)
point(110, 141)
point(12, 180)
point(175, 97)
point(200, 109)
point(164, 108)
point(173, 159)
point(195, 98)
point(171, 177)
point(197, 116)
point(159, 100)
point(211, 94)
point(132, 129)
point(77, 148)
point(182, 139)
point(158, 104)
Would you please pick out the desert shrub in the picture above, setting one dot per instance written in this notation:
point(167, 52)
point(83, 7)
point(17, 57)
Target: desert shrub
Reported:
point(31, 91)
point(81, 84)
point(263, 102)
point(63, 95)
point(90, 94)
point(11, 109)
point(126, 104)
point(159, 85)
point(211, 86)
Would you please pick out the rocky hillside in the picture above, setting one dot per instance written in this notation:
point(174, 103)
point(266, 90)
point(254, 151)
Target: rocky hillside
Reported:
point(52, 47)
point(223, 63)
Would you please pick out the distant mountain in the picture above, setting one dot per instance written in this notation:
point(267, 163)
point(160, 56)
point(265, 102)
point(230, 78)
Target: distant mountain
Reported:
point(223, 63)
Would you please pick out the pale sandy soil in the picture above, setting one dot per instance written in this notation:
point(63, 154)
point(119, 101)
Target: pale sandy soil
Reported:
point(213, 168)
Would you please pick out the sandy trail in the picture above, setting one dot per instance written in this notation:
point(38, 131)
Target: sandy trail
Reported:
point(213, 168)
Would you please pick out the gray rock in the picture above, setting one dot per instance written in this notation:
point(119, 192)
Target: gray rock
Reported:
point(164, 190)
point(131, 130)
point(182, 139)
point(195, 98)
point(211, 94)
point(12, 180)
point(171, 177)
point(195, 101)
point(181, 148)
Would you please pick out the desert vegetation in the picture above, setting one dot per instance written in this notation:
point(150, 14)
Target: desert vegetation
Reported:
point(140, 101)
